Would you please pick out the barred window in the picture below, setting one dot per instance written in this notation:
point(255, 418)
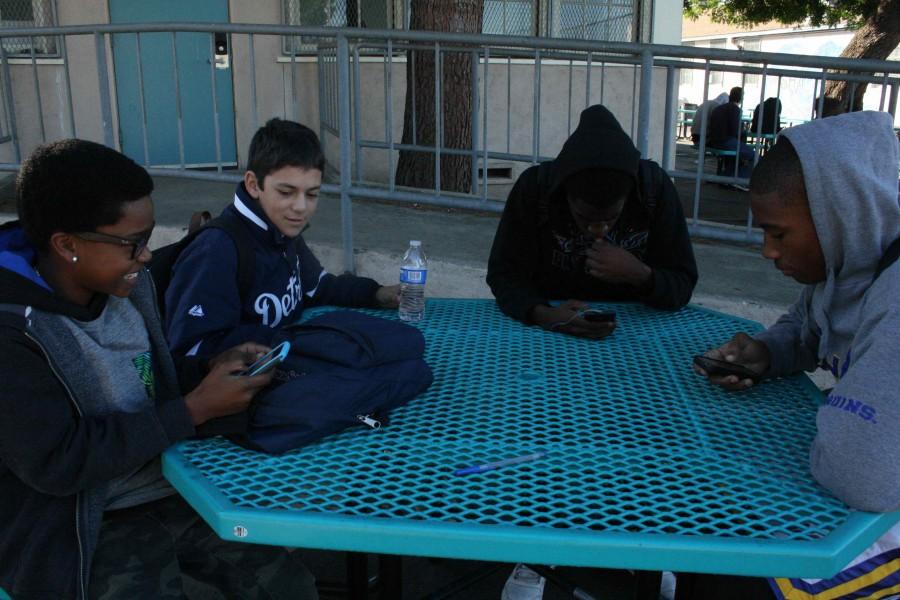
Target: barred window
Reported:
point(28, 13)
point(686, 76)
point(754, 44)
point(605, 20)
point(509, 17)
point(716, 77)
point(372, 14)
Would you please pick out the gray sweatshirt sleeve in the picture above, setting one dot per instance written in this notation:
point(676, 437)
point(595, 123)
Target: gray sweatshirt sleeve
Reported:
point(792, 345)
point(856, 453)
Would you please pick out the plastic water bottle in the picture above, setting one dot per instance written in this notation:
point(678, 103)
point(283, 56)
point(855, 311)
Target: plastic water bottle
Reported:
point(413, 273)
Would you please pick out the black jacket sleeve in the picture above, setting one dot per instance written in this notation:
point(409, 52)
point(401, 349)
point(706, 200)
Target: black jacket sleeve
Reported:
point(514, 254)
point(669, 251)
point(57, 451)
point(346, 290)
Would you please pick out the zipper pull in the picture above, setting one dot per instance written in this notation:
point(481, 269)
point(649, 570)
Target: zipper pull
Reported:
point(368, 420)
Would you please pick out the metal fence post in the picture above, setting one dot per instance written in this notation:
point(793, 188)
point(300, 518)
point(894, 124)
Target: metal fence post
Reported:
point(671, 108)
point(343, 60)
point(10, 103)
point(103, 81)
point(644, 107)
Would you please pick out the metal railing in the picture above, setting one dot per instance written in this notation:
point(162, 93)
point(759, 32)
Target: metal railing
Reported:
point(356, 69)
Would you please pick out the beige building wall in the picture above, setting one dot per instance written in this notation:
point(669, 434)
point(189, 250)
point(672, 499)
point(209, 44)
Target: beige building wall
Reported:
point(83, 79)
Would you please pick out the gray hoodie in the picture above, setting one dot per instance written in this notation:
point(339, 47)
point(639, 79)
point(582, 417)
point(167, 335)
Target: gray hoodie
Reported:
point(848, 323)
point(706, 108)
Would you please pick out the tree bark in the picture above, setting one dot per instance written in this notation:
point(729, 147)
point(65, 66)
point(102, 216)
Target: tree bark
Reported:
point(876, 39)
point(417, 169)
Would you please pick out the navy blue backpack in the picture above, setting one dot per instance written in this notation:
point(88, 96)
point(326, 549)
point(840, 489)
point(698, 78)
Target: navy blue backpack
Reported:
point(345, 368)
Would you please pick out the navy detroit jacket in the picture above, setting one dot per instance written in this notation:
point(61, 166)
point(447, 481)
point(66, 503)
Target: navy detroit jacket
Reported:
point(204, 311)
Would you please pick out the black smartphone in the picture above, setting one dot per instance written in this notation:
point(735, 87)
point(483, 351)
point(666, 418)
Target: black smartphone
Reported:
point(714, 366)
point(269, 360)
point(599, 316)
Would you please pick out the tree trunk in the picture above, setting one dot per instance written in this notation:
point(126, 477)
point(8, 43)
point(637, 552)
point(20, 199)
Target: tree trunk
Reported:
point(416, 169)
point(877, 38)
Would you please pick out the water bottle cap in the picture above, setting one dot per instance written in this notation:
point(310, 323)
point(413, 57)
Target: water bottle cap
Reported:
point(415, 243)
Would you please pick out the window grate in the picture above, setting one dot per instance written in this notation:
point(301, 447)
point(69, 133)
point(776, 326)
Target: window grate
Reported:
point(370, 14)
point(28, 13)
point(602, 20)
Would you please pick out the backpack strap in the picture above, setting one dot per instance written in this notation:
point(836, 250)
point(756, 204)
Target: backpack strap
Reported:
point(246, 263)
point(14, 316)
point(889, 257)
point(543, 183)
point(652, 180)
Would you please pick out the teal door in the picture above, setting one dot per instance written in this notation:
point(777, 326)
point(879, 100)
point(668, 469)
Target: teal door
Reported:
point(165, 97)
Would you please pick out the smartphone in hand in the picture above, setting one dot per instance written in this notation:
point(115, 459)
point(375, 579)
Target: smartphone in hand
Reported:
point(723, 368)
point(598, 316)
point(269, 360)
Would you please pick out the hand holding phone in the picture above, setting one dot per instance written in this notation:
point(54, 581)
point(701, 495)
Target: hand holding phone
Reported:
point(722, 368)
point(568, 318)
point(598, 316)
point(269, 360)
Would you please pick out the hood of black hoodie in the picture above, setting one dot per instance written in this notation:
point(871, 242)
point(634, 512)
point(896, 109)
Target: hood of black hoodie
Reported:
point(599, 142)
point(21, 284)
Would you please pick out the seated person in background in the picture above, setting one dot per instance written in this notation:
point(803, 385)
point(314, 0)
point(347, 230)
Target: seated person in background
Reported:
point(205, 310)
point(596, 223)
point(90, 399)
point(826, 198)
point(771, 117)
point(703, 113)
point(724, 132)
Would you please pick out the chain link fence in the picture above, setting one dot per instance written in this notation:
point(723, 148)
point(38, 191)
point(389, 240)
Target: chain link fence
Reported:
point(369, 14)
point(509, 17)
point(601, 20)
point(29, 13)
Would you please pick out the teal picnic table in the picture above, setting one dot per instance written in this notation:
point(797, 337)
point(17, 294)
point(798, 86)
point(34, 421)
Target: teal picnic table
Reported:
point(647, 466)
point(684, 121)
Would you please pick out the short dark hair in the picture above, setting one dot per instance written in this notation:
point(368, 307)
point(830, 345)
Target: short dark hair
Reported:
point(75, 185)
point(736, 94)
point(599, 187)
point(281, 143)
point(780, 170)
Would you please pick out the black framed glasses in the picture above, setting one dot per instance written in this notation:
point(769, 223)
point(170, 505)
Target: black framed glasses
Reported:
point(137, 245)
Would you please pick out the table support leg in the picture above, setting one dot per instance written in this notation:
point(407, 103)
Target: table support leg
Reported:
point(647, 584)
point(390, 577)
point(357, 576)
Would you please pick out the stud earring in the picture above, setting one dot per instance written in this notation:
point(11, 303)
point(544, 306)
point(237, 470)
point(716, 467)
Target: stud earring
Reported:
point(74, 259)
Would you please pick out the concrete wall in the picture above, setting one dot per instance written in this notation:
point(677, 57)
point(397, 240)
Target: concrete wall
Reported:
point(666, 28)
point(84, 82)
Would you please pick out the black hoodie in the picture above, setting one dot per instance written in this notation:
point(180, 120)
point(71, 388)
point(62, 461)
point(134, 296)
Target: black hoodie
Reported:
point(539, 254)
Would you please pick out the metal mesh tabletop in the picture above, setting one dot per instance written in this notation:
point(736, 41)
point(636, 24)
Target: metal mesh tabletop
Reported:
point(647, 465)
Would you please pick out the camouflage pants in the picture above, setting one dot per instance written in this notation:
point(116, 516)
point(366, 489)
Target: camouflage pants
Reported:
point(165, 550)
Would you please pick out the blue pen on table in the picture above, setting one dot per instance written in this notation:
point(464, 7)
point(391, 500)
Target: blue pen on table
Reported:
point(500, 463)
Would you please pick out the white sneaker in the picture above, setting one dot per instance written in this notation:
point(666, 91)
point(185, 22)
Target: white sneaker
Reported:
point(523, 584)
point(667, 586)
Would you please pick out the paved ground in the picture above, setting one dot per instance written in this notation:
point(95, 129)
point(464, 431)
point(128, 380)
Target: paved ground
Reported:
point(734, 279)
